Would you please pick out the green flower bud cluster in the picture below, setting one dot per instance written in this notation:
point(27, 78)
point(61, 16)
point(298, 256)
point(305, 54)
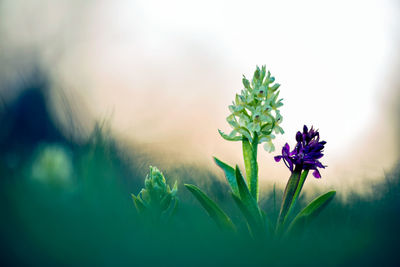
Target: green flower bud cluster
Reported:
point(156, 200)
point(254, 113)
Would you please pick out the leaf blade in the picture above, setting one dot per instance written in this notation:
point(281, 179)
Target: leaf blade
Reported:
point(229, 174)
point(311, 211)
point(139, 205)
point(214, 211)
point(252, 211)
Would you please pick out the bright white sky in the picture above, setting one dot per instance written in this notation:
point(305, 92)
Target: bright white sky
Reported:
point(167, 70)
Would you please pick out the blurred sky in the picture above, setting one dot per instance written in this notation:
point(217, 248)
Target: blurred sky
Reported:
point(164, 73)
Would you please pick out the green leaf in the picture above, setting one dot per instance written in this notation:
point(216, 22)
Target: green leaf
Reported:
point(248, 205)
point(213, 210)
point(140, 207)
point(174, 207)
point(170, 212)
point(174, 190)
point(229, 174)
point(311, 211)
point(250, 163)
point(165, 202)
point(229, 138)
point(252, 223)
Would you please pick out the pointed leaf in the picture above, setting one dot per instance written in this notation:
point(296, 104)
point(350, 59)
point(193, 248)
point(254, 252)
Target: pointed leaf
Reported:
point(140, 207)
point(248, 205)
point(311, 211)
point(170, 212)
point(213, 210)
point(252, 223)
point(229, 174)
point(165, 202)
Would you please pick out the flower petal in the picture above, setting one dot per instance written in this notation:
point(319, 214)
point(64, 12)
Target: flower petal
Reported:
point(316, 174)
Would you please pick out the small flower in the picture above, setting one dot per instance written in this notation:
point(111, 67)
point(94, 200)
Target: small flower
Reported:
point(306, 154)
point(254, 113)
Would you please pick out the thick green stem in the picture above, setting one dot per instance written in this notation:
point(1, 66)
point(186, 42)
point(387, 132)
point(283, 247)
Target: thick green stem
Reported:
point(303, 177)
point(251, 165)
point(288, 197)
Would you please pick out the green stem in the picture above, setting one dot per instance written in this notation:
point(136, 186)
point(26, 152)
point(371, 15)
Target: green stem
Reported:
point(288, 197)
point(251, 165)
point(303, 177)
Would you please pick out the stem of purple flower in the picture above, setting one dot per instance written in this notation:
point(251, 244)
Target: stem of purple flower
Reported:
point(302, 179)
point(288, 196)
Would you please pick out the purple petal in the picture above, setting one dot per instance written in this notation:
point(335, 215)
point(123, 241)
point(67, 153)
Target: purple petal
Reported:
point(316, 174)
point(278, 158)
point(305, 129)
point(299, 137)
point(285, 149)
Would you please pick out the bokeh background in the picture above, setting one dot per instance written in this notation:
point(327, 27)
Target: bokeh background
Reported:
point(149, 82)
point(162, 73)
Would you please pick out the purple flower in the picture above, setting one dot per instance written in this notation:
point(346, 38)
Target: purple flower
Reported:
point(306, 154)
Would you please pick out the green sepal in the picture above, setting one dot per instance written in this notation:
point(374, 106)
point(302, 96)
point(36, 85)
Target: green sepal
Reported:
point(275, 87)
point(229, 174)
point(214, 211)
point(246, 83)
point(311, 211)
